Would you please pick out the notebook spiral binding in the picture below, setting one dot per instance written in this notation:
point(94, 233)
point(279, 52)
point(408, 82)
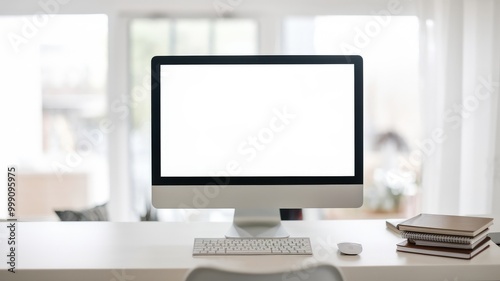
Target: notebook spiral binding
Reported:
point(435, 237)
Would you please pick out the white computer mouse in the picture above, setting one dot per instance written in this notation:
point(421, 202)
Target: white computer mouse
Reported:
point(350, 248)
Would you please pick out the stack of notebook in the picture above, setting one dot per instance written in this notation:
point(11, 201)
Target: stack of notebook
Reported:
point(444, 235)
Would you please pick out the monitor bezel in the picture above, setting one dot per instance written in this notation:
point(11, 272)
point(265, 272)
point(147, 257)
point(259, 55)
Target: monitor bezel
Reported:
point(158, 180)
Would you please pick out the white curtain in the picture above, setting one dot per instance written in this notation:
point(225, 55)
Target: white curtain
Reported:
point(460, 59)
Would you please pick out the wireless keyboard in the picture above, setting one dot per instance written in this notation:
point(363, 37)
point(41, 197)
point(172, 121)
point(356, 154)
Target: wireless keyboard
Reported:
point(251, 246)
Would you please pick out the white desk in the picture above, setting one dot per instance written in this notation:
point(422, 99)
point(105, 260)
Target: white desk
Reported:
point(162, 251)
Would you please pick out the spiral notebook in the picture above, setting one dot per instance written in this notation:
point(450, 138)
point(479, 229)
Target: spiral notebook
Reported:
point(444, 238)
point(448, 245)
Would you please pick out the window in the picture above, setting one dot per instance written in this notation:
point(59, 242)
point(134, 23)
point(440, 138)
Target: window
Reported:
point(56, 100)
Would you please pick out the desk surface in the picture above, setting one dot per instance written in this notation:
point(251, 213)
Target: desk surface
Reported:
point(162, 251)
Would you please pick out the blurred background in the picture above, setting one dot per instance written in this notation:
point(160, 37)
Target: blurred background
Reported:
point(75, 96)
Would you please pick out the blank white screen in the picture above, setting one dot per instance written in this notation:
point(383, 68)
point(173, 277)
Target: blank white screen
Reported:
point(257, 120)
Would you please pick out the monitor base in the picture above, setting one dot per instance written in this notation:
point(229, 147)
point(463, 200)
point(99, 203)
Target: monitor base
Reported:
point(257, 223)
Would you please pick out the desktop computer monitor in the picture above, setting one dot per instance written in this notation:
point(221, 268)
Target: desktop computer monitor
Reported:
point(257, 133)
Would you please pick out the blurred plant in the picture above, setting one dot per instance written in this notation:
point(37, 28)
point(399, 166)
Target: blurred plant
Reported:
point(390, 183)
